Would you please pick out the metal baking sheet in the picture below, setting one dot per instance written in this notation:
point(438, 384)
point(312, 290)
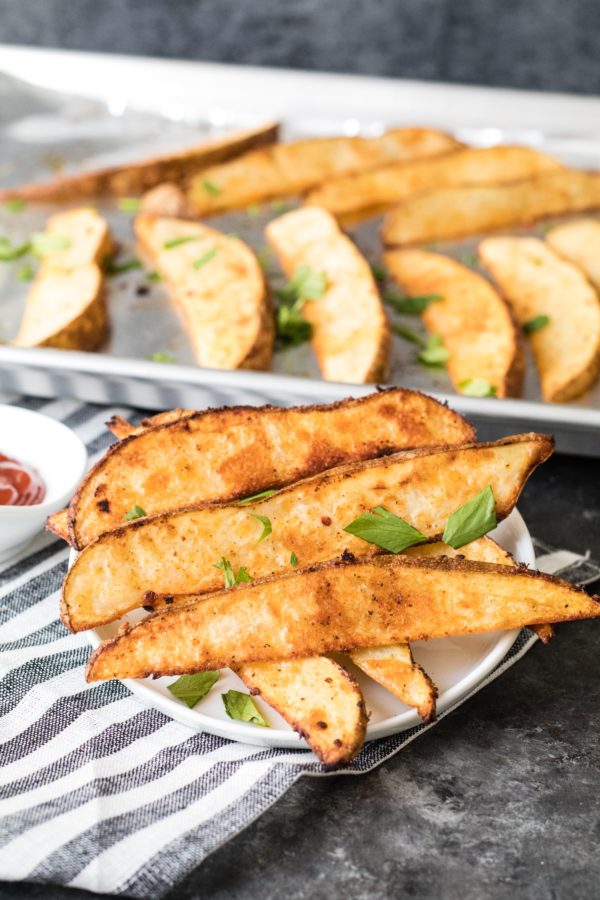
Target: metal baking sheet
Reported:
point(42, 129)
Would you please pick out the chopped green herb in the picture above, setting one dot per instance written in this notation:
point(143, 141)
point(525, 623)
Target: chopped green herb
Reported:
point(472, 520)
point(264, 257)
point(212, 189)
point(410, 306)
point(266, 523)
point(434, 353)
point(15, 205)
point(477, 387)
point(291, 326)
point(136, 512)
point(280, 206)
point(253, 209)
point(384, 529)
point(154, 276)
point(305, 284)
point(379, 272)
point(469, 259)
point(42, 243)
point(293, 559)
point(8, 252)
point(408, 334)
point(24, 273)
point(190, 689)
point(162, 357)
point(114, 267)
point(206, 258)
point(254, 497)
point(536, 324)
point(242, 707)
point(229, 577)
point(129, 204)
point(177, 242)
point(242, 575)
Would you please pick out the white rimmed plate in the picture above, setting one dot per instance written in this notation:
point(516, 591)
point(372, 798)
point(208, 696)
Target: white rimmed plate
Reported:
point(456, 665)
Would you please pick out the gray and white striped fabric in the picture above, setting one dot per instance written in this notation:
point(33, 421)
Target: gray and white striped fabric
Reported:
point(99, 792)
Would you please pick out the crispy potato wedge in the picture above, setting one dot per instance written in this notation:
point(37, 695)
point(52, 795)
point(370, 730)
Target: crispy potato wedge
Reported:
point(579, 243)
point(395, 669)
point(176, 553)
point(58, 524)
point(393, 184)
point(65, 307)
point(338, 606)
point(460, 211)
point(121, 428)
point(474, 321)
point(319, 699)
point(288, 169)
point(219, 288)
point(351, 335)
point(224, 454)
point(133, 178)
point(538, 282)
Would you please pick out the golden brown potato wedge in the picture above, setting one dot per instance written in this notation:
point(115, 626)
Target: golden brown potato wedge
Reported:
point(225, 454)
point(393, 184)
point(456, 212)
point(219, 287)
point(58, 524)
point(339, 606)
point(319, 699)
point(537, 282)
point(474, 321)
point(65, 307)
point(133, 178)
point(285, 170)
point(176, 553)
point(395, 669)
point(351, 336)
point(579, 243)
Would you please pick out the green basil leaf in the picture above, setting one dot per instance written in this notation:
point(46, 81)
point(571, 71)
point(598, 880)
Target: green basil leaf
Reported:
point(136, 512)
point(229, 577)
point(190, 689)
point(129, 204)
point(242, 707)
point(477, 387)
point(386, 530)
point(206, 258)
point(472, 520)
point(266, 523)
point(212, 189)
point(15, 205)
point(293, 559)
point(408, 334)
point(113, 267)
point(379, 272)
point(434, 353)
point(261, 496)
point(410, 306)
point(535, 324)
point(242, 575)
point(42, 243)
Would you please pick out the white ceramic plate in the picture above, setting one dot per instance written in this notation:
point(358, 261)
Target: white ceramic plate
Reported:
point(456, 665)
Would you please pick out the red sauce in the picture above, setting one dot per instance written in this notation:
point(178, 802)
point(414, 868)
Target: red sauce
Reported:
point(20, 485)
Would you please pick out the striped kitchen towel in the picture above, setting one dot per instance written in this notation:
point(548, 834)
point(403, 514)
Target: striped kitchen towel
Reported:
point(98, 791)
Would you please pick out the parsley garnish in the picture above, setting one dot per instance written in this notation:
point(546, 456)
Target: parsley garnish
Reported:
point(305, 284)
point(8, 252)
point(379, 272)
point(112, 267)
point(434, 353)
point(43, 243)
point(408, 334)
point(293, 559)
point(477, 387)
point(154, 276)
point(471, 520)
point(229, 577)
point(190, 689)
point(136, 512)
point(178, 241)
point(24, 273)
point(410, 306)
point(469, 259)
point(292, 327)
point(202, 260)
point(386, 530)
point(264, 259)
point(15, 205)
point(266, 523)
point(254, 497)
point(162, 357)
point(129, 204)
point(535, 324)
point(242, 707)
point(212, 189)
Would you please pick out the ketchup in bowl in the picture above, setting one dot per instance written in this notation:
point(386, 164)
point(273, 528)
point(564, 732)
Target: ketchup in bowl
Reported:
point(20, 485)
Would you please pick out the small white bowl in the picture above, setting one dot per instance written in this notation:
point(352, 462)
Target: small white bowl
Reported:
point(59, 457)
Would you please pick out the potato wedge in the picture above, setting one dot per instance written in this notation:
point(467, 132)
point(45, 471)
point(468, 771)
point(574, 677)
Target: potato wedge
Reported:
point(460, 211)
point(285, 170)
point(176, 553)
point(133, 178)
point(579, 243)
point(475, 323)
point(65, 307)
point(394, 668)
point(219, 288)
point(319, 699)
point(351, 335)
point(338, 606)
point(537, 282)
point(197, 457)
point(394, 184)
point(58, 524)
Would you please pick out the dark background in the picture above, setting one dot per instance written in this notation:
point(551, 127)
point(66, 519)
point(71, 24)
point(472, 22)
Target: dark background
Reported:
point(500, 801)
point(545, 44)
